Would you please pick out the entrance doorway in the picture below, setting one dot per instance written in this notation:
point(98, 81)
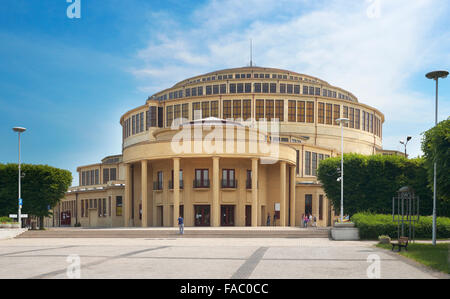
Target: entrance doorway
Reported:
point(202, 215)
point(248, 215)
point(160, 216)
point(66, 218)
point(227, 216)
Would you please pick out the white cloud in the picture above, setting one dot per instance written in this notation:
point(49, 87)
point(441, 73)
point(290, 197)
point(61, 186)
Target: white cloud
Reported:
point(374, 58)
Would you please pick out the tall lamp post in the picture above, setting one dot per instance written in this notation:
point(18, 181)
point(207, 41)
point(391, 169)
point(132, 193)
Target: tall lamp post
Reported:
point(435, 76)
point(342, 121)
point(19, 130)
point(405, 143)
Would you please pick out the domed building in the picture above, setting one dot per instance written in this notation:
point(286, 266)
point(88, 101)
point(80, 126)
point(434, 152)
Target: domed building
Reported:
point(228, 148)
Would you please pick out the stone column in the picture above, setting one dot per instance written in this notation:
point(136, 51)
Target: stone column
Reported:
point(144, 193)
point(283, 193)
point(255, 204)
point(215, 211)
point(293, 215)
point(127, 202)
point(176, 191)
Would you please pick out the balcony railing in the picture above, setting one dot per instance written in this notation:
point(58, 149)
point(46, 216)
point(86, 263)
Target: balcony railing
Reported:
point(157, 185)
point(171, 184)
point(201, 184)
point(232, 184)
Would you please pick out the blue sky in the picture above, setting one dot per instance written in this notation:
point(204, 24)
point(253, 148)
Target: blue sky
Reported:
point(68, 81)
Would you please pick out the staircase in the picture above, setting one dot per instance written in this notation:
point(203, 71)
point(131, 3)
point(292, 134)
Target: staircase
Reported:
point(189, 232)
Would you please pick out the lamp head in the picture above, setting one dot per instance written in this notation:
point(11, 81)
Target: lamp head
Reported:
point(342, 120)
point(19, 129)
point(408, 139)
point(437, 74)
point(402, 142)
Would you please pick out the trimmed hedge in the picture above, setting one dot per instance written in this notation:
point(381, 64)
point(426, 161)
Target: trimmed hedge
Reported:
point(373, 225)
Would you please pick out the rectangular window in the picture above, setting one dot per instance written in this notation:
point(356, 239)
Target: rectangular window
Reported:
point(310, 112)
point(188, 92)
point(105, 175)
point(279, 110)
point(273, 88)
point(248, 87)
point(201, 178)
point(371, 123)
point(297, 169)
point(296, 89)
point(228, 178)
point(169, 116)
point(301, 111)
point(282, 88)
point(352, 117)
point(104, 207)
point(259, 109)
point(329, 114)
point(134, 124)
point(194, 91)
point(205, 109)
point(265, 88)
point(200, 90)
point(160, 117)
point(118, 205)
point(292, 111)
point(345, 115)
point(314, 164)
point(152, 117)
point(257, 87)
point(247, 109)
point(82, 208)
point(240, 88)
point(223, 88)
point(305, 89)
point(290, 88)
point(215, 109)
point(317, 91)
point(237, 109)
point(311, 90)
point(185, 111)
point(86, 211)
point(357, 119)
point(336, 114)
point(215, 89)
point(321, 113)
point(177, 112)
point(141, 123)
point(196, 111)
point(364, 121)
point(208, 90)
point(226, 109)
point(307, 163)
point(232, 88)
point(320, 207)
point(112, 174)
point(269, 110)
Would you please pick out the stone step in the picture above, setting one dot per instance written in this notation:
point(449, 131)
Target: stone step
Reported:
point(107, 233)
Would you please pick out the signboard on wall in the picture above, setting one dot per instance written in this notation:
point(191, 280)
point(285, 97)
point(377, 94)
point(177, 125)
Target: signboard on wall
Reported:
point(277, 207)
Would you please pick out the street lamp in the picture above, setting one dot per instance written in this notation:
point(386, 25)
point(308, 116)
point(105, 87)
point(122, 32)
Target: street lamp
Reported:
point(435, 76)
point(342, 121)
point(405, 143)
point(19, 130)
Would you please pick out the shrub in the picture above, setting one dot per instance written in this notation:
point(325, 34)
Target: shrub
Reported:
point(6, 219)
point(373, 225)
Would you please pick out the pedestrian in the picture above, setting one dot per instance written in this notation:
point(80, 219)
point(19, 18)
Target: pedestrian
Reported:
point(274, 219)
point(305, 221)
point(310, 220)
point(268, 219)
point(315, 221)
point(181, 224)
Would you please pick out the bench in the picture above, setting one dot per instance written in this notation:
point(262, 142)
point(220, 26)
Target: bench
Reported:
point(402, 242)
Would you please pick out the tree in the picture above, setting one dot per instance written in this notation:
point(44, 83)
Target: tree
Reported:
point(43, 186)
point(436, 147)
point(370, 182)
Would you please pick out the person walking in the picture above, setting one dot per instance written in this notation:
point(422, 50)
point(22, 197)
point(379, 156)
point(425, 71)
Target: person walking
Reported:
point(310, 220)
point(181, 225)
point(268, 219)
point(274, 219)
point(315, 221)
point(305, 221)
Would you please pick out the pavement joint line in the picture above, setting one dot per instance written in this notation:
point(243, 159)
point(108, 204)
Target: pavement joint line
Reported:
point(42, 249)
point(247, 268)
point(53, 273)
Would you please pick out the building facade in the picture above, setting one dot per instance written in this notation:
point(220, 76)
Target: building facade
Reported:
point(228, 148)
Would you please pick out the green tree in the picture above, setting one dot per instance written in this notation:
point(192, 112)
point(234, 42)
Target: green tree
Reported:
point(42, 186)
point(436, 147)
point(370, 182)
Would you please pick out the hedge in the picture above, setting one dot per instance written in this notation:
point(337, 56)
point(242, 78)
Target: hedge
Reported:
point(6, 219)
point(373, 225)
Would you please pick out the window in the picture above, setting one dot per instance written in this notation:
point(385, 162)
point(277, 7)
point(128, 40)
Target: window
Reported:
point(112, 174)
point(364, 121)
point(297, 168)
point(296, 89)
point(282, 88)
point(240, 87)
point(188, 92)
point(345, 115)
point(104, 207)
point(97, 177)
point(320, 207)
point(208, 90)
point(105, 175)
point(215, 109)
point(82, 208)
point(232, 88)
point(109, 206)
point(201, 178)
point(194, 91)
point(279, 110)
point(200, 90)
point(317, 91)
point(307, 163)
point(259, 109)
point(185, 111)
point(290, 88)
point(169, 116)
point(301, 111)
point(269, 110)
point(215, 89)
point(134, 124)
point(205, 109)
point(248, 182)
point(305, 89)
point(329, 114)
point(227, 109)
point(314, 164)
point(310, 112)
point(223, 88)
point(257, 87)
point(228, 178)
point(141, 124)
point(151, 121)
point(247, 109)
point(118, 205)
point(371, 123)
point(273, 88)
point(265, 87)
point(321, 113)
point(337, 114)
point(311, 90)
point(357, 119)
point(292, 108)
point(196, 112)
point(158, 185)
point(237, 109)
point(248, 87)
point(352, 117)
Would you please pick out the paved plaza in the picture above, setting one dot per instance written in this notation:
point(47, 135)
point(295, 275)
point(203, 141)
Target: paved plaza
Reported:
point(197, 258)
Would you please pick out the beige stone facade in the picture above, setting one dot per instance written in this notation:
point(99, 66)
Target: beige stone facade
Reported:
point(228, 148)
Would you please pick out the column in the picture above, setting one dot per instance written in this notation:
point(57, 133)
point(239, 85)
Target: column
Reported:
point(215, 211)
point(282, 193)
point(176, 190)
point(293, 215)
point(127, 201)
point(255, 192)
point(144, 193)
